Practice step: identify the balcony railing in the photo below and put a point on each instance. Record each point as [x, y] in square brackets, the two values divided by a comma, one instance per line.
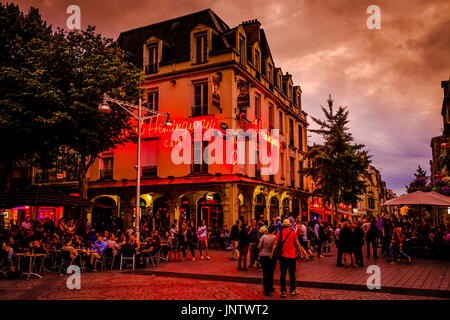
[106, 174]
[149, 172]
[151, 68]
[200, 110]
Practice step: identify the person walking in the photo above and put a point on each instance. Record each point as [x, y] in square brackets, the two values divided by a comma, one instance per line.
[244, 242]
[371, 239]
[234, 236]
[265, 247]
[397, 244]
[253, 236]
[202, 235]
[319, 231]
[337, 234]
[289, 244]
[357, 243]
[345, 243]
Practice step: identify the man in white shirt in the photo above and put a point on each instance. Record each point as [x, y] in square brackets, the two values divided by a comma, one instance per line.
[202, 235]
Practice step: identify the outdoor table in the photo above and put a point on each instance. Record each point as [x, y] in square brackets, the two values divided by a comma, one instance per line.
[30, 256]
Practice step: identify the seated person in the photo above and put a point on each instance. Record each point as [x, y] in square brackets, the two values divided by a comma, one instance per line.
[37, 247]
[111, 243]
[154, 243]
[68, 247]
[98, 248]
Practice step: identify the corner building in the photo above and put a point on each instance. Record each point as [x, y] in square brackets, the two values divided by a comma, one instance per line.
[199, 69]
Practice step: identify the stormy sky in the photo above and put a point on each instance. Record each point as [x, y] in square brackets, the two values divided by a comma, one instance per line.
[390, 79]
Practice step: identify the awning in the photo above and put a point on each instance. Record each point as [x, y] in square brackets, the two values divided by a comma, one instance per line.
[420, 198]
[42, 196]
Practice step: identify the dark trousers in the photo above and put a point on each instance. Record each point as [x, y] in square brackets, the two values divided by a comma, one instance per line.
[358, 256]
[319, 247]
[191, 247]
[268, 268]
[285, 265]
[243, 256]
[372, 242]
[339, 254]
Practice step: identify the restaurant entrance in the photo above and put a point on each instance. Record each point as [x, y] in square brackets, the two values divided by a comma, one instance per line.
[211, 211]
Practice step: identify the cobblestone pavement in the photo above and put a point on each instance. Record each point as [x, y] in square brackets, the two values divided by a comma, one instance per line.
[219, 278]
[130, 286]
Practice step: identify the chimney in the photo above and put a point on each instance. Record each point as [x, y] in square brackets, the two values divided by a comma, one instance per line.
[252, 28]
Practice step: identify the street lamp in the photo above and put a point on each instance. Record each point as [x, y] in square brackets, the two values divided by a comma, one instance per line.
[105, 108]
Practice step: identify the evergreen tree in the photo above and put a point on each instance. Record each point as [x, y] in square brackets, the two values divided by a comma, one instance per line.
[420, 183]
[338, 165]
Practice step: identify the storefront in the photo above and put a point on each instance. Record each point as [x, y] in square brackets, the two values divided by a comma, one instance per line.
[210, 209]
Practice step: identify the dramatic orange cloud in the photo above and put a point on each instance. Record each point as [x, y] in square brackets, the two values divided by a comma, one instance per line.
[388, 78]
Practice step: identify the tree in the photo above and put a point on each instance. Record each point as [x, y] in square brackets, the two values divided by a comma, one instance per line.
[338, 165]
[94, 65]
[29, 106]
[420, 183]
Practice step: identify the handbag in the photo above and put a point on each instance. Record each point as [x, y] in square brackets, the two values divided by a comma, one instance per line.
[278, 249]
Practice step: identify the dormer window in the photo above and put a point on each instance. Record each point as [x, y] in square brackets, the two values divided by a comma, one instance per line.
[242, 50]
[269, 72]
[290, 92]
[257, 61]
[201, 47]
[153, 61]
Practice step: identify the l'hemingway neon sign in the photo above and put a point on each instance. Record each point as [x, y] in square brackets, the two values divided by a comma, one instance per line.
[230, 146]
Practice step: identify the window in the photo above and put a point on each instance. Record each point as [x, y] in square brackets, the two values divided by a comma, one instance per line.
[106, 171]
[282, 165]
[149, 162]
[153, 100]
[371, 203]
[290, 92]
[200, 99]
[269, 72]
[152, 66]
[270, 116]
[281, 121]
[257, 166]
[241, 50]
[300, 174]
[258, 106]
[300, 138]
[201, 47]
[257, 64]
[199, 165]
[292, 168]
[291, 132]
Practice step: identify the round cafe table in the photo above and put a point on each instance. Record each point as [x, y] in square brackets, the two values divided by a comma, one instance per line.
[31, 257]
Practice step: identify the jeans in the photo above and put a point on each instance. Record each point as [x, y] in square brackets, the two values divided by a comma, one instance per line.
[285, 265]
[395, 250]
[243, 256]
[268, 268]
[234, 251]
[319, 247]
[374, 246]
[339, 253]
[253, 252]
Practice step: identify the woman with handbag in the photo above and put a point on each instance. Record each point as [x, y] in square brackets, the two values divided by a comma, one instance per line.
[265, 247]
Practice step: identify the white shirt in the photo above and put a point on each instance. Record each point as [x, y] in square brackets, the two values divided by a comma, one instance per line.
[202, 231]
[305, 233]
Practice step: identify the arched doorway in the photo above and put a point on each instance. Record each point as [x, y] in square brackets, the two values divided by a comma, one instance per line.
[185, 209]
[274, 208]
[210, 209]
[260, 207]
[161, 212]
[102, 217]
[286, 208]
[295, 208]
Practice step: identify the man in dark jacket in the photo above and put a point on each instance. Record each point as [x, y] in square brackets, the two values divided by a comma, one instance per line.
[234, 236]
[358, 242]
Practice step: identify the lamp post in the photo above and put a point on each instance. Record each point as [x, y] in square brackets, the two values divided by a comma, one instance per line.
[105, 108]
